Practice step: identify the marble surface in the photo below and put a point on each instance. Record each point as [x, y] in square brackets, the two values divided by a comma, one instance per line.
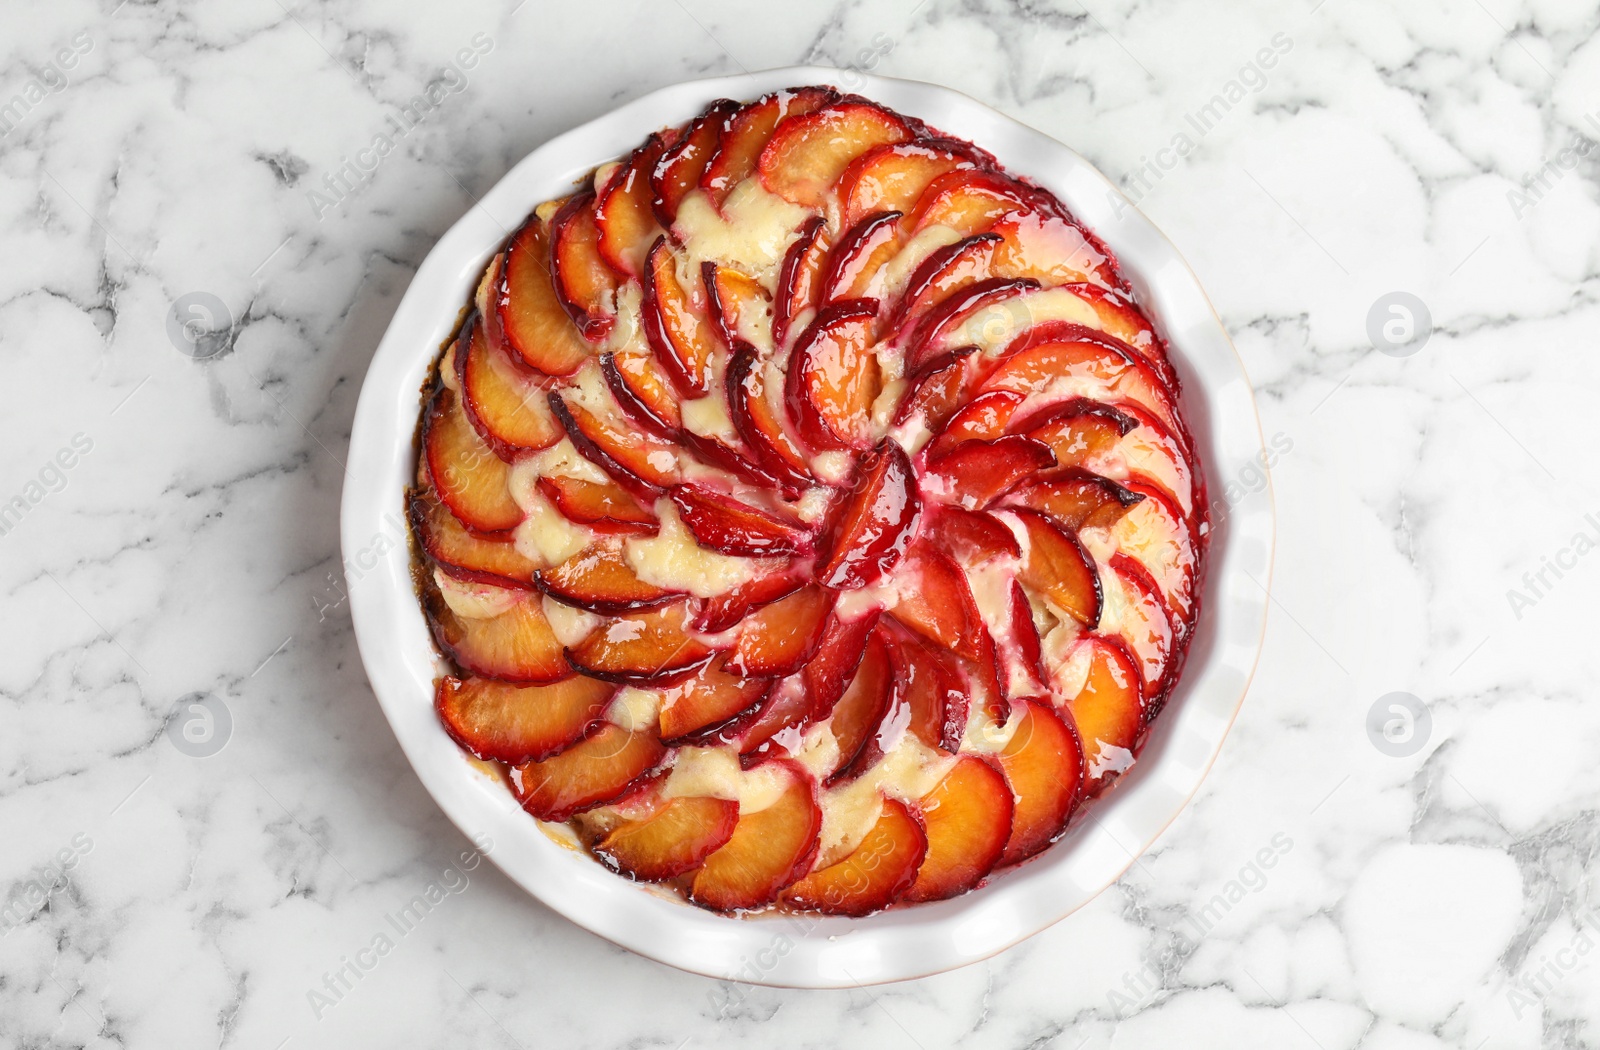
[206, 819]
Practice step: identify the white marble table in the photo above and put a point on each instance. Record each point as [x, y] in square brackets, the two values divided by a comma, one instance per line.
[170, 511]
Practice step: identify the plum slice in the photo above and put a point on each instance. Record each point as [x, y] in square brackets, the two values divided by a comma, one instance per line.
[757, 420]
[463, 554]
[648, 647]
[599, 579]
[874, 874]
[746, 134]
[725, 524]
[597, 769]
[934, 599]
[601, 506]
[505, 403]
[833, 377]
[1055, 565]
[585, 282]
[673, 839]
[1108, 710]
[968, 820]
[971, 201]
[516, 645]
[893, 176]
[768, 850]
[505, 722]
[874, 522]
[624, 213]
[528, 314]
[680, 168]
[640, 463]
[471, 480]
[706, 700]
[860, 711]
[677, 331]
[807, 154]
[778, 638]
[1056, 351]
[976, 473]
[1043, 763]
[799, 279]
[861, 253]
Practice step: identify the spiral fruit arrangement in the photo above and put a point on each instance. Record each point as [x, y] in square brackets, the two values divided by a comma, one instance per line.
[806, 511]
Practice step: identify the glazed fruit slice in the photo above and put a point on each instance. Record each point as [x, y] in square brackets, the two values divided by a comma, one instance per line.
[934, 600]
[976, 473]
[505, 403]
[471, 480]
[929, 331]
[832, 668]
[933, 391]
[643, 647]
[944, 272]
[875, 521]
[672, 840]
[1043, 763]
[1074, 498]
[752, 733]
[515, 646]
[984, 418]
[892, 177]
[1057, 352]
[1024, 656]
[727, 454]
[602, 506]
[681, 167]
[1077, 430]
[1117, 316]
[807, 154]
[737, 303]
[780, 637]
[757, 420]
[768, 850]
[707, 699]
[968, 822]
[528, 314]
[861, 709]
[599, 579]
[725, 610]
[1055, 565]
[861, 254]
[970, 537]
[644, 392]
[1148, 450]
[503, 722]
[1155, 534]
[624, 214]
[677, 331]
[747, 133]
[725, 524]
[874, 874]
[799, 279]
[585, 284]
[1109, 709]
[595, 770]
[1146, 625]
[477, 559]
[642, 464]
[1051, 250]
[971, 201]
[929, 691]
[833, 378]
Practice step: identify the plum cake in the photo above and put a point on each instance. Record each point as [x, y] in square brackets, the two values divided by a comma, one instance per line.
[805, 512]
